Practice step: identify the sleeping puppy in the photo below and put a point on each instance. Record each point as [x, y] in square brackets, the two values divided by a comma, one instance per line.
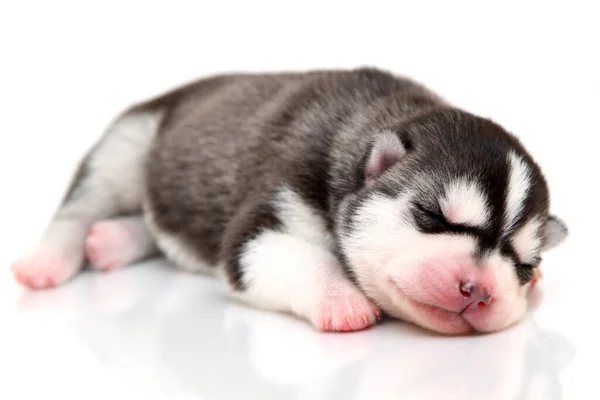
[332, 195]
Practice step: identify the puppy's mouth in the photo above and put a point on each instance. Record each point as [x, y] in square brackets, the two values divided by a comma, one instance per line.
[434, 317]
[441, 319]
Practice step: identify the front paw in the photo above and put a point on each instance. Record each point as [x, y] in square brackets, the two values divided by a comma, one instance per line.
[344, 310]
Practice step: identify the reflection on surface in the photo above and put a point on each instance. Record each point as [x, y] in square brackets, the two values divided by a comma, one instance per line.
[172, 335]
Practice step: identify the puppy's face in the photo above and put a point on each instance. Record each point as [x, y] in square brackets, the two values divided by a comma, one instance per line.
[449, 229]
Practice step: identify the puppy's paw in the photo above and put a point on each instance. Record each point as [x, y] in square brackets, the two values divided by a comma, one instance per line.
[344, 310]
[109, 245]
[44, 268]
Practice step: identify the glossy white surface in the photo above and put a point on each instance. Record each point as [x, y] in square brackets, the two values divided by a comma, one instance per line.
[149, 332]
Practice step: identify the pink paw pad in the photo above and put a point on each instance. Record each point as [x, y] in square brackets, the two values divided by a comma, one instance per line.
[108, 245]
[346, 313]
[43, 269]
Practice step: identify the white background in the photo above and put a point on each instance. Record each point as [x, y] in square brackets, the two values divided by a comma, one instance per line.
[66, 69]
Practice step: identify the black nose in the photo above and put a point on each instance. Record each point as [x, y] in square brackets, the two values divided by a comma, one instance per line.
[474, 296]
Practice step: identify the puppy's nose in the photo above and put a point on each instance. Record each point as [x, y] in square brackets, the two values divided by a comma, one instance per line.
[474, 295]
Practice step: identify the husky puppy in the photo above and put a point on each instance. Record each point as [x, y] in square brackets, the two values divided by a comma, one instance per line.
[332, 195]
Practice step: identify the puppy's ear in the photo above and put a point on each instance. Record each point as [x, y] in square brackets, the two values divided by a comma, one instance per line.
[555, 233]
[386, 150]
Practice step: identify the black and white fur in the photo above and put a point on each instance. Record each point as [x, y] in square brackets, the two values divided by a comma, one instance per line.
[327, 194]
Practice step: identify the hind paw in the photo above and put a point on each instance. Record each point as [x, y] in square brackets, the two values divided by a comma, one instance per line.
[44, 269]
[108, 245]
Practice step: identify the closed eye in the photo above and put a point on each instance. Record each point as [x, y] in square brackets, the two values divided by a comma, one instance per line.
[525, 265]
[431, 221]
[431, 214]
[434, 220]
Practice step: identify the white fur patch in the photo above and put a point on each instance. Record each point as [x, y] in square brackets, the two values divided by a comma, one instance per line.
[378, 227]
[293, 270]
[116, 168]
[527, 241]
[381, 225]
[284, 273]
[519, 185]
[465, 203]
[300, 220]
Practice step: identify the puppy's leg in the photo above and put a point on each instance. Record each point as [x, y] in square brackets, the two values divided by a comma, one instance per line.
[108, 183]
[277, 269]
[114, 243]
